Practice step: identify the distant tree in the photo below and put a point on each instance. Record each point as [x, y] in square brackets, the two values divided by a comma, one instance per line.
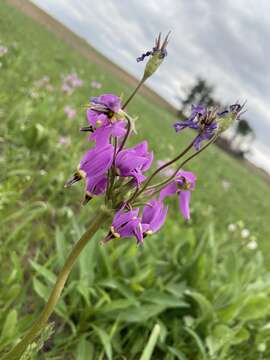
[244, 134]
[200, 93]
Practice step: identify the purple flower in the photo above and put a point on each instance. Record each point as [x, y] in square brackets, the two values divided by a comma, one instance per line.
[64, 140]
[70, 83]
[95, 162]
[183, 183]
[105, 118]
[201, 119]
[134, 161]
[94, 186]
[153, 216]
[126, 224]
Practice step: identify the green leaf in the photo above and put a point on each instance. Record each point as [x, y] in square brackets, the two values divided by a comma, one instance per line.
[140, 314]
[161, 298]
[255, 307]
[105, 339]
[198, 341]
[45, 273]
[9, 328]
[148, 350]
[85, 350]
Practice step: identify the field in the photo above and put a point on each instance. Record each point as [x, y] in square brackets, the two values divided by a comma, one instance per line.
[201, 288]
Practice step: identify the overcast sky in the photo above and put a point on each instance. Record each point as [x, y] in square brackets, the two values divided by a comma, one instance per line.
[227, 42]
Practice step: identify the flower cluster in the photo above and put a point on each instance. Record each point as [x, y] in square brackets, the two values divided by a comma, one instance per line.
[107, 121]
[119, 173]
[70, 83]
[44, 83]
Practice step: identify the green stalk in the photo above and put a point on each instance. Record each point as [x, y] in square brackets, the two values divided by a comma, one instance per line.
[134, 92]
[38, 325]
[160, 185]
[138, 192]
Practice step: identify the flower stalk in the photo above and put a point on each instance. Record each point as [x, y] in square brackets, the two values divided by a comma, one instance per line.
[30, 336]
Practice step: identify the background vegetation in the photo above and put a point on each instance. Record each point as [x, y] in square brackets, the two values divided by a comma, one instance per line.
[201, 289]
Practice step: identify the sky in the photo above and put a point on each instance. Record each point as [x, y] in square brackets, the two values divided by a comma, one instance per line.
[226, 42]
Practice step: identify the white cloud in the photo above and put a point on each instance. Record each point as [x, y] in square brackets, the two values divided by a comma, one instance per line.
[226, 42]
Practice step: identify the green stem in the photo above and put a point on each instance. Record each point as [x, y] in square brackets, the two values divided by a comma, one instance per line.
[167, 181]
[134, 92]
[139, 191]
[38, 325]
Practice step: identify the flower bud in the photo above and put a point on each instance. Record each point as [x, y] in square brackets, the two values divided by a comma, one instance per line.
[158, 54]
[226, 118]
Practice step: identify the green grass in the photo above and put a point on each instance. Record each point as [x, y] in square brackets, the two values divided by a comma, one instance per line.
[205, 289]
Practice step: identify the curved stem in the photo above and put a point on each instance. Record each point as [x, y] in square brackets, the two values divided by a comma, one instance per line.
[38, 325]
[134, 92]
[126, 135]
[167, 181]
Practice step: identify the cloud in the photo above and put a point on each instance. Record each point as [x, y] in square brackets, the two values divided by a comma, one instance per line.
[226, 42]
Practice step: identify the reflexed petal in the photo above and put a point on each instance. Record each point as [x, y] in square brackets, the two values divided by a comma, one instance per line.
[184, 198]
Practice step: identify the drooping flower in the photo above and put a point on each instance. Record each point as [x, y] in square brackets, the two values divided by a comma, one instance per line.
[133, 162]
[201, 119]
[94, 163]
[94, 186]
[181, 185]
[126, 224]
[153, 216]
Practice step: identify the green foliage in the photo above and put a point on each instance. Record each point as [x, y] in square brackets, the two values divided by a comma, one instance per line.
[195, 291]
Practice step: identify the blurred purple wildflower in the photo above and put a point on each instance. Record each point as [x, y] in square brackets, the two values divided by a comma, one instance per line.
[64, 140]
[70, 111]
[70, 83]
[95, 84]
[3, 50]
